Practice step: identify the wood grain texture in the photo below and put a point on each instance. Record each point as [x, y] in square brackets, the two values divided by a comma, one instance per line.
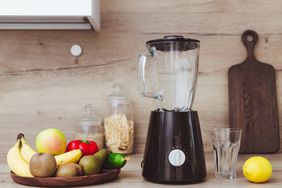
[253, 101]
[192, 6]
[42, 86]
[180, 16]
[131, 176]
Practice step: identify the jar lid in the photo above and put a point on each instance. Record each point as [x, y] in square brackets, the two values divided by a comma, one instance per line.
[117, 97]
[89, 117]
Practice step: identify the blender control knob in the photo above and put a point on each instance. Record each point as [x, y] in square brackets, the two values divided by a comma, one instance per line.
[176, 157]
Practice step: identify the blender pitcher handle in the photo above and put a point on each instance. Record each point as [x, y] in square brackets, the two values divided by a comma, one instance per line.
[141, 72]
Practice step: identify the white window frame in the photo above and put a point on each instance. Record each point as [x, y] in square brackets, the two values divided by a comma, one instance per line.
[46, 22]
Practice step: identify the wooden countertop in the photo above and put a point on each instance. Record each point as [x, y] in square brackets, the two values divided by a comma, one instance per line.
[131, 176]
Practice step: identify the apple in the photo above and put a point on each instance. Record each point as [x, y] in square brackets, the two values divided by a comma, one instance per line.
[52, 141]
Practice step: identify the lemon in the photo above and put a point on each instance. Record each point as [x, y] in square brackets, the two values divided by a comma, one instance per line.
[257, 169]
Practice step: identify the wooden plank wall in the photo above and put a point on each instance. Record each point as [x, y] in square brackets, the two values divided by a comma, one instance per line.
[42, 86]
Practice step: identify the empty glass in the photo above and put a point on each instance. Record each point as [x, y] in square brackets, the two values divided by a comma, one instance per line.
[226, 145]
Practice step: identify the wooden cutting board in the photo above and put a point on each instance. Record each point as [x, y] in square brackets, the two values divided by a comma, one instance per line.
[252, 101]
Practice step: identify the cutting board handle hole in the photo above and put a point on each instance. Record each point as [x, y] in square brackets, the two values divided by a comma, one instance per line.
[250, 38]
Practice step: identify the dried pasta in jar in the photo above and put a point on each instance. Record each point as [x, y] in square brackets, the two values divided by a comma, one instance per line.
[119, 133]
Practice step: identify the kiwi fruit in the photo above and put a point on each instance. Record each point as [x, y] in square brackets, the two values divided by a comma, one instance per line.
[42, 165]
[69, 170]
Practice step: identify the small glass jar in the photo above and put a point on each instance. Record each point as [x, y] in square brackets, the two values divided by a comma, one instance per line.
[118, 125]
[90, 127]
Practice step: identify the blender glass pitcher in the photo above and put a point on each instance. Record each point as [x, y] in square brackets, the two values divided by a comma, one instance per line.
[171, 75]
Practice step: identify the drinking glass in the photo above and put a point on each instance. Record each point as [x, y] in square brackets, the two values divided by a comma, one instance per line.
[226, 145]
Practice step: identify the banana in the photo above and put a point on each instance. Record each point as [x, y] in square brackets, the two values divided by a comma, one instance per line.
[16, 162]
[26, 151]
[68, 157]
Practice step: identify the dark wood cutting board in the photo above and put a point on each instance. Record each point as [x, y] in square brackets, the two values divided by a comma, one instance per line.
[252, 101]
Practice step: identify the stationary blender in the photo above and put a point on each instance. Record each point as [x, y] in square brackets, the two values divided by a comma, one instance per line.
[167, 73]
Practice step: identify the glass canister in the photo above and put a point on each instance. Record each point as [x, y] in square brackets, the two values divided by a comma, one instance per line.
[90, 127]
[118, 125]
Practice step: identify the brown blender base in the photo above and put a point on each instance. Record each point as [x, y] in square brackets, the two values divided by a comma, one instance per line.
[174, 150]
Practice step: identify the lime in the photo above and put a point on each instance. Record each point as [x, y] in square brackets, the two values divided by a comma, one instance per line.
[115, 160]
[257, 169]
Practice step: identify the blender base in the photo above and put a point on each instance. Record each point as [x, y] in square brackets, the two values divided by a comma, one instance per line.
[174, 151]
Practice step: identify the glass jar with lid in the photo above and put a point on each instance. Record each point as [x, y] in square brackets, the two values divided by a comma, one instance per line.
[90, 127]
[118, 125]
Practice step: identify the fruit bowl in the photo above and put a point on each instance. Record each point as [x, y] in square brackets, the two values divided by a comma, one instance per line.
[103, 177]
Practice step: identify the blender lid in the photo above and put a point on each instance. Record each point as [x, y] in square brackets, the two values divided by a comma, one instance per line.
[174, 42]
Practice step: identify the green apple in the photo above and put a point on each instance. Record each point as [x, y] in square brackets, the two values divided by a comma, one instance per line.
[52, 141]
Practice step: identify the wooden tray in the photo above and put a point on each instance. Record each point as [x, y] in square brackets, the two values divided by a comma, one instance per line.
[105, 176]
